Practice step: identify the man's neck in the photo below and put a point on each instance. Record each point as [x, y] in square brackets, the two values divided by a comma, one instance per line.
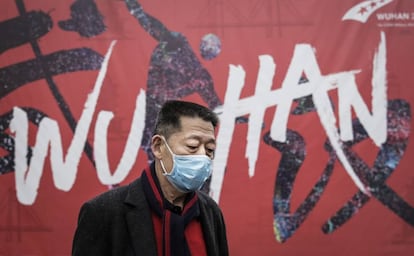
[170, 193]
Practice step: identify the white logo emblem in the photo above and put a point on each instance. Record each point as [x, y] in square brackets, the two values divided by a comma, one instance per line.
[363, 10]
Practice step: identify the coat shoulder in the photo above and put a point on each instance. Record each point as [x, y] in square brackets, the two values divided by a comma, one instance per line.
[113, 198]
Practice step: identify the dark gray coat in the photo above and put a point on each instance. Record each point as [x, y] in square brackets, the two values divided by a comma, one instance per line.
[119, 223]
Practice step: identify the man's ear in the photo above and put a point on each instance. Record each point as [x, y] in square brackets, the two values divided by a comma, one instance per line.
[156, 143]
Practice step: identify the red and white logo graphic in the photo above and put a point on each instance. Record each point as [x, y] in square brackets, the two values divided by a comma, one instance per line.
[362, 11]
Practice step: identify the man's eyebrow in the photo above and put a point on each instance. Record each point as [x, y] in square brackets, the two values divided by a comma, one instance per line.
[200, 138]
[213, 141]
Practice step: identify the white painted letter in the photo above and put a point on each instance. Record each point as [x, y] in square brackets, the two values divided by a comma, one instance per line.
[131, 149]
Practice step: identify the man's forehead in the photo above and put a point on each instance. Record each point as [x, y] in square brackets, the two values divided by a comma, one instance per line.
[196, 131]
[196, 123]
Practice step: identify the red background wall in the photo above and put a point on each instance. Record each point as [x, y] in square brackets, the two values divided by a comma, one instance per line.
[247, 29]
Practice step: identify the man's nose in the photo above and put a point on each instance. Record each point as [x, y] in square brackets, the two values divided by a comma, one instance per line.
[201, 151]
[204, 151]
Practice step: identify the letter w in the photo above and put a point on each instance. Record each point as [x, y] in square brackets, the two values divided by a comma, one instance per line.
[63, 170]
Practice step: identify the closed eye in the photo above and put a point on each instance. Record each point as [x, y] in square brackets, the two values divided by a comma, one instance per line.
[210, 152]
[192, 148]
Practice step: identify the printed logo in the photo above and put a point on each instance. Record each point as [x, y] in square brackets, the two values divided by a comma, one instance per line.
[362, 11]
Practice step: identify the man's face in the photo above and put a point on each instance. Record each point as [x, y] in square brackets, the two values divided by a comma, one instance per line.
[195, 138]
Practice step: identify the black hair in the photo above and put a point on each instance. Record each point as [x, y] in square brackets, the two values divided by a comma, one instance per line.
[168, 120]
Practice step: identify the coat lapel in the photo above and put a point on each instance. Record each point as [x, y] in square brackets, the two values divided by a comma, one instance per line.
[207, 227]
[139, 221]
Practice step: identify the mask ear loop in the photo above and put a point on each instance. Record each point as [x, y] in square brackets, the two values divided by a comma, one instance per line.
[165, 173]
[166, 144]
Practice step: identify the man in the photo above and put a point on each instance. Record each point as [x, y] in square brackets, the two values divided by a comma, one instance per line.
[162, 212]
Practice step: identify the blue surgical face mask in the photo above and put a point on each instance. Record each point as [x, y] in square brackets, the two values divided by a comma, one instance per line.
[189, 172]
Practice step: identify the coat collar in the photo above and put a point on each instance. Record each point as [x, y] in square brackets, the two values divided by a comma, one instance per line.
[139, 216]
[139, 221]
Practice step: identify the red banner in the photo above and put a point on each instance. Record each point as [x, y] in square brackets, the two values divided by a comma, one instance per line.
[314, 99]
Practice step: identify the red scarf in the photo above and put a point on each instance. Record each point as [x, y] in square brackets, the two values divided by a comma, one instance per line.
[174, 221]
